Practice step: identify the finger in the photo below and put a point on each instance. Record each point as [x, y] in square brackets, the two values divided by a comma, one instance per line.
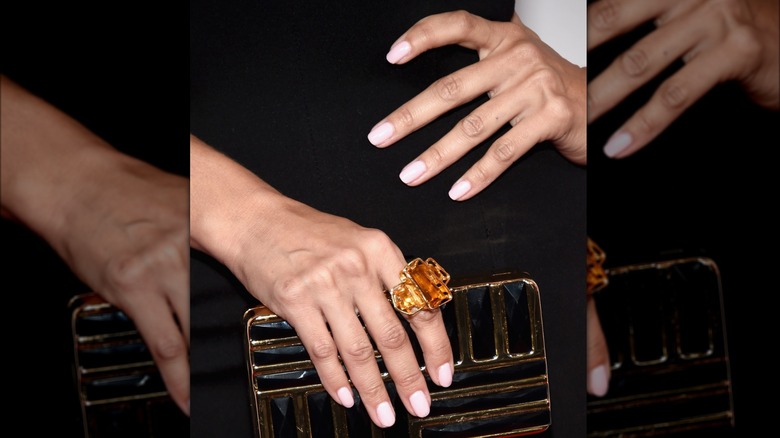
[177, 286]
[392, 341]
[458, 27]
[428, 326]
[610, 18]
[598, 355]
[468, 133]
[323, 351]
[357, 352]
[501, 154]
[443, 95]
[638, 65]
[157, 327]
[673, 97]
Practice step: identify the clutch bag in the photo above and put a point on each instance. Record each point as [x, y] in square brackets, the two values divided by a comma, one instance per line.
[499, 388]
[663, 322]
[120, 389]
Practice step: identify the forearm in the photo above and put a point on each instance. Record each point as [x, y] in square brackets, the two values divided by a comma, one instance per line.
[227, 201]
[47, 159]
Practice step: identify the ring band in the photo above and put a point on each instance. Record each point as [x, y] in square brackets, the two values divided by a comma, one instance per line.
[423, 286]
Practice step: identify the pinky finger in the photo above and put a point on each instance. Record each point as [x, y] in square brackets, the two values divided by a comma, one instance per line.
[668, 102]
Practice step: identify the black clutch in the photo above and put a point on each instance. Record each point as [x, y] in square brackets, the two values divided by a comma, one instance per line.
[500, 386]
[121, 392]
[663, 322]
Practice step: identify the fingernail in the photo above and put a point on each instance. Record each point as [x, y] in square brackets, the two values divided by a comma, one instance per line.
[412, 171]
[598, 381]
[617, 144]
[420, 404]
[398, 51]
[458, 190]
[381, 133]
[386, 415]
[345, 396]
[445, 375]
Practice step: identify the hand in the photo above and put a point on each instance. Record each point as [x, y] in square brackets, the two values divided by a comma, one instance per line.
[317, 271]
[531, 87]
[719, 41]
[119, 223]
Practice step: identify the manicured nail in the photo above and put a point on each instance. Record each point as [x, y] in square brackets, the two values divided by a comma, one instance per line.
[345, 396]
[412, 171]
[398, 51]
[386, 415]
[598, 381]
[445, 375]
[420, 404]
[458, 190]
[617, 144]
[381, 133]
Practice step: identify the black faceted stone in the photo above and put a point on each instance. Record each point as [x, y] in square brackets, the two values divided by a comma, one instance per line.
[320, 415]
[283, 417]
[518, 318]
[271, 330]
[280, 355]
[482, 339]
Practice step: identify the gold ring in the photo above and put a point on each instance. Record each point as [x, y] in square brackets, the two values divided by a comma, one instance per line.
[423, 286]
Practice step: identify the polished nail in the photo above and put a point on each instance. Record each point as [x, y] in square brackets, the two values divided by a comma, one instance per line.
[385, 414]
[445, 375]
[420, 404]
[598, 381]
[345, 396]
[398, 51]
[381, 133]
[617, 144]
[412, 171]
[458, 190]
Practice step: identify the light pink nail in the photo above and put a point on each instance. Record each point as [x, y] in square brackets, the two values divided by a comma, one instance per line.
[445, 375]
[381, 133]
[345, 396]
[458, 190]
[617, 144]
[412, 171]
[386, 415]
[420, 404]
[598, 381]
[398, 51]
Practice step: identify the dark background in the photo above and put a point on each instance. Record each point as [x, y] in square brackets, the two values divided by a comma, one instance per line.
[703, 187]
[120, 68]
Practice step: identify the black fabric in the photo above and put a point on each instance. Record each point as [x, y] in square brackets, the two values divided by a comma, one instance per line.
[702, 187]
[120, 69]
[290, 90]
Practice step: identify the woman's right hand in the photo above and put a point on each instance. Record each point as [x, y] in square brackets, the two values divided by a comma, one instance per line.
[318, 272]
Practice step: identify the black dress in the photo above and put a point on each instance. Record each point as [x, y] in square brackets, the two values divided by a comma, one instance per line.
[290, 90]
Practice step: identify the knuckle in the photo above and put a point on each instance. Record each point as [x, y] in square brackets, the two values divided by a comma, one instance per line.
[503, 152]
[436, 155]
[352, 262]
[604, 14]
[449, 87]
[744, 42]
[673, 95]
[290, 291]
[360, 351]
[167, 348]
[126, 271]
[472, 126]
[463, 20]
[644, 122]
[634, 62]
[560, 110]
[374, 391]
[392, 336]
[405, 117]
[479, 174]
[408, 379]
[323, 349]
[424, 318]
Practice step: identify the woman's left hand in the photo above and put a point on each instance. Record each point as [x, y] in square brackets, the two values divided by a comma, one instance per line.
[542, 96]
